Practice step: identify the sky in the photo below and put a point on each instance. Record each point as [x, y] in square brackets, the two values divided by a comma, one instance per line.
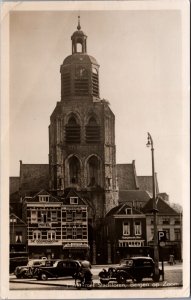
[140, 55]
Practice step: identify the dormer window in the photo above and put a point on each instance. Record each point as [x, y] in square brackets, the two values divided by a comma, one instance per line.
[43, 198]
[73, 200]
[128, 211]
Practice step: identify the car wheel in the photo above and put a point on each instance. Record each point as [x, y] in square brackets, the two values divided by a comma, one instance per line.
[156, 277]
[43, 276]
[121, 279]
[104, 281]
[138, 279]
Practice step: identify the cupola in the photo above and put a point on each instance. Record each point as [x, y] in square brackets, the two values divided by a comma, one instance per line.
[79, 71]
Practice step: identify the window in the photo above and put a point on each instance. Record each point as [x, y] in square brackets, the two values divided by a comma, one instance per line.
[43, 216]
[54, 216]
[51, 235]
[18, 237]
[126, 228]
[177, 234]
[37, 235]
[34, 216]
[74, 170]
[73, 200]
[95, 82]
[137, 227]
[69, 216]
[165, 221]
[92, 131]
[167, 233]
[72, 131]
[177, 221]
[43, 198]
[93, 171]
[128, 211]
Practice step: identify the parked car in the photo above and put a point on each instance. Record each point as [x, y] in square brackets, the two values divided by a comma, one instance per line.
[61, 268]
[17, 261]
[134, 268]
[27, 270]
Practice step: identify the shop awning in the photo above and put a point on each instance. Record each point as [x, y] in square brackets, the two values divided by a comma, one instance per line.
[75, 246]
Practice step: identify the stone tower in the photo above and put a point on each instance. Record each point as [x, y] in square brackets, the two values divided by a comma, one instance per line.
[82, 152]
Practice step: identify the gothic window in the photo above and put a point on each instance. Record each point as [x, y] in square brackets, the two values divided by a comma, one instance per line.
[92, 131]
[93, 171]
[72, 131]
[74, 170]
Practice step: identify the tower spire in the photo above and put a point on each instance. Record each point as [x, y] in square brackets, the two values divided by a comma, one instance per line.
[79, 26]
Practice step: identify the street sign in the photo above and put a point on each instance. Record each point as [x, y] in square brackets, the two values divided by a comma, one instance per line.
[161, 237]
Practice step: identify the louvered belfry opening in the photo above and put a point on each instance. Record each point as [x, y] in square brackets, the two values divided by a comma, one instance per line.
[72, 131]
[81, 87]
[66, 84]
[92, 131]
[95, 83]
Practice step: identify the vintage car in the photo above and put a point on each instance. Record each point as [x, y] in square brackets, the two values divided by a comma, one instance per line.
[60, 268]
[27, 270]
[134, 268]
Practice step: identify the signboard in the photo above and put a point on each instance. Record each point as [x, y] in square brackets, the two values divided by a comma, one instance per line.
[162, 238]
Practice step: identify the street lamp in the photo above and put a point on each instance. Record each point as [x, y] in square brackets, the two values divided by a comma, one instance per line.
[154, 210]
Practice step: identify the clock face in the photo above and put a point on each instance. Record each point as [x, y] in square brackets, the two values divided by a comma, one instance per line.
[81, 72]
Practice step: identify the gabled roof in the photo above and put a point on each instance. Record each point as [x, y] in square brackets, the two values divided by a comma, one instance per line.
[162, 206]
[33, 177]
[126, 175]
[35, 198]
[145, 183]
[121, 209]
[72, 193]
[16, 220]
[135, 195]
[14, 184]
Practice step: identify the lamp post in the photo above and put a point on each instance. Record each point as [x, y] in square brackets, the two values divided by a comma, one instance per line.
[154, 210]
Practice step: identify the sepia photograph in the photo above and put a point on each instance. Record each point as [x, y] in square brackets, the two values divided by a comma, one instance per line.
[95, 150]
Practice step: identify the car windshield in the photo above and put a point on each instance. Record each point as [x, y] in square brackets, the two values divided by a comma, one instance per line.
[127, 262]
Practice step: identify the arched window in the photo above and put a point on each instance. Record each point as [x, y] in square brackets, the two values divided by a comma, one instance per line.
[37, 235]
[74, 170]
[93, 171]
[92, 131]
[79, 46]
[72, 131]
[51, 235]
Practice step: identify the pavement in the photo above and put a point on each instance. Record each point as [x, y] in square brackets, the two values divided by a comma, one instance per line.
[172, 278]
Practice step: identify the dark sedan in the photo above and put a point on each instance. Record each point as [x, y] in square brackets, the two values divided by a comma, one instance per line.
[61, 268]
[135, 268]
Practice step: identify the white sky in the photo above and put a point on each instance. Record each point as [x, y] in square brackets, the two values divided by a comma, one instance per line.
[141, 64]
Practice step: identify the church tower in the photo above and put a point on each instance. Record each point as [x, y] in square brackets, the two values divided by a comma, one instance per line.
[82, 152]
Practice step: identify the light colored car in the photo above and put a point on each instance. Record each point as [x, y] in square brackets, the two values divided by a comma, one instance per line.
[27, 271]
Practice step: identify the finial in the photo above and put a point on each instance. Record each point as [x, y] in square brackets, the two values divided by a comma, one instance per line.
[78, 27]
